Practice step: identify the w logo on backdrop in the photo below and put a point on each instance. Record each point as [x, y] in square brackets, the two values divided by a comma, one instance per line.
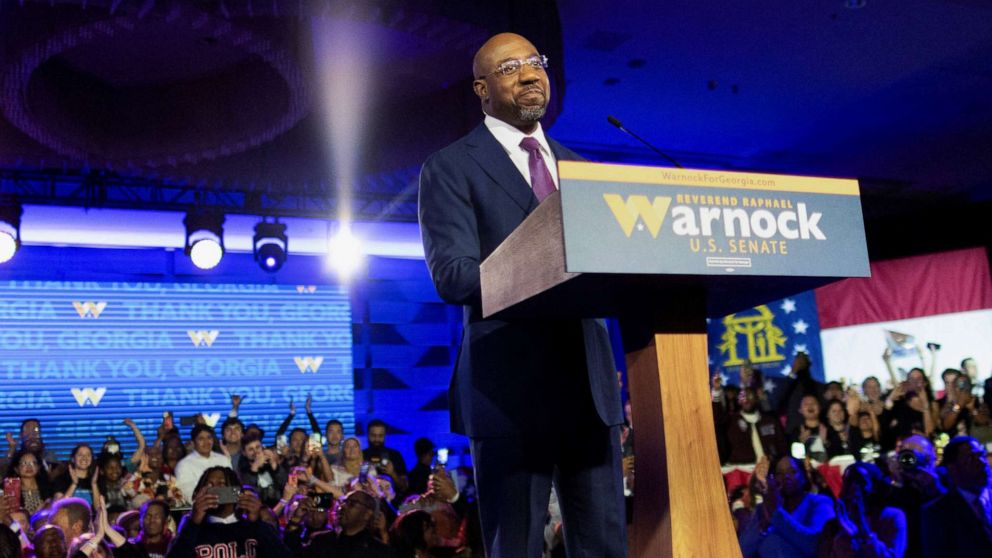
[308, 364]
[89, 309]
[93, 396]
[306, 289]
[203, 338]
[639, 208]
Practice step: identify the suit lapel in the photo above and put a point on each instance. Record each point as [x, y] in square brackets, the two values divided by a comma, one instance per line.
[490, 155]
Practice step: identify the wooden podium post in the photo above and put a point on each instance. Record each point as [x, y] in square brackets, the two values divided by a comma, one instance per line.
[662, 249]
[680, 503]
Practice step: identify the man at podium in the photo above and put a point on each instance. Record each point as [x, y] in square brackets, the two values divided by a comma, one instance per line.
[538, 397]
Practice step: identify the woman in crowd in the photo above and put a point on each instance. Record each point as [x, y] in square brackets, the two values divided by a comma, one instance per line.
[811, 431]
[864, 526]
[80, 477]
[173, 451]
[35, 488]
[871, 441]
[111, 481]
[788, 522]
[842, 439]
[909, 409]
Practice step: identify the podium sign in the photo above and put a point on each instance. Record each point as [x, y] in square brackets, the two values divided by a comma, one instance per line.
[649, 220]
[661, 249]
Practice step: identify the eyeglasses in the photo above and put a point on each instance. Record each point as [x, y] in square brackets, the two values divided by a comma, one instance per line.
[510, 67]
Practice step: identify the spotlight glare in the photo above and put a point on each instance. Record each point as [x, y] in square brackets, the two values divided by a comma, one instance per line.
[344, 252]
[10, 227]
[206, 253]
[8, 247]
[204, 238]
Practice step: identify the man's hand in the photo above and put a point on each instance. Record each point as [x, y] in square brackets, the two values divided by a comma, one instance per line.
[441, 485]
[202, 503]
[236, 400]
[292, 406]
[250, 504]
[309, 403]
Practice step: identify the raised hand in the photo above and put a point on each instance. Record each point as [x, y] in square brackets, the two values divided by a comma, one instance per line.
[309, 403]
[202, 503]
[236, 400]
[250, 504]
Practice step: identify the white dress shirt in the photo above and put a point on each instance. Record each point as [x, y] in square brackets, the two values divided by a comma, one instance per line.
[510, 138]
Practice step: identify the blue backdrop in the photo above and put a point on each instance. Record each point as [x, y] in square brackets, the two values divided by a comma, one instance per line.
[81, 356]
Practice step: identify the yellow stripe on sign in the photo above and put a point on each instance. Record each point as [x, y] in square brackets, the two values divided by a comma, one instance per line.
[599, 172]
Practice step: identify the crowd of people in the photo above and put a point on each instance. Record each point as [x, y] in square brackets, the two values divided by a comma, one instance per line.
[912, 478]
[233, 494]
[911, 475]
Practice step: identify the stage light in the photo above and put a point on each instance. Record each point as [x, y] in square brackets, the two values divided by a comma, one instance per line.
[344, 251]
[204, 238]
[10, 227]
[270, 245]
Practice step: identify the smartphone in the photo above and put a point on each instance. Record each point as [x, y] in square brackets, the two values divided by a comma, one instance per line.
[282, 443]
[226, 494]
[188, 421]
[168, 421]
[316, 441]
[442, 458]
[12, 490]
[363, 474]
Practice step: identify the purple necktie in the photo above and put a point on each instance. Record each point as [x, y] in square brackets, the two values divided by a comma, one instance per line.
[540, 176]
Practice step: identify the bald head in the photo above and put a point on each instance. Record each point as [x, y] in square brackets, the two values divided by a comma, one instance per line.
[487, 56]
[520, 97]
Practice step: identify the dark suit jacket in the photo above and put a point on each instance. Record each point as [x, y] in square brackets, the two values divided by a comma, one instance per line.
[514, 376]
[951, 529]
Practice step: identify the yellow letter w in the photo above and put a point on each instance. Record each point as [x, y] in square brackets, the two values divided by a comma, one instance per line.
[627, 212]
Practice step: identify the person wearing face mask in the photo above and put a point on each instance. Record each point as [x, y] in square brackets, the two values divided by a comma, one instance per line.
[788, 522]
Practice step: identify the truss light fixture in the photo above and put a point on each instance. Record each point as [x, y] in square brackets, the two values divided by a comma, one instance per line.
[204, 238]
[10, 227]
[270, 245]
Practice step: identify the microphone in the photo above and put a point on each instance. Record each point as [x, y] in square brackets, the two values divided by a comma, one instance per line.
[613, 120]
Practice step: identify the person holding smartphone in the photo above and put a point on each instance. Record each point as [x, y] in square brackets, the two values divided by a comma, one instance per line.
[225, 516]
[26, 483]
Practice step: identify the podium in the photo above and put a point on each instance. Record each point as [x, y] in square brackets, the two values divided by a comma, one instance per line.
[661, 250]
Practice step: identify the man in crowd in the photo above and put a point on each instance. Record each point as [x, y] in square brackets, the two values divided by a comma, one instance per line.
[154, 539]
[190, 468]
[539, 399]
[959, 523]
[916, 484]
[423, 448]
[211, 523]
[72, 516]
[748, 434]
[232, 434]
[262, 470]
[354, 540]
[386, 459]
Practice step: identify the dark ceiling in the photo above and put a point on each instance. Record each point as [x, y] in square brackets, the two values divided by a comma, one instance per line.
[227, 101]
